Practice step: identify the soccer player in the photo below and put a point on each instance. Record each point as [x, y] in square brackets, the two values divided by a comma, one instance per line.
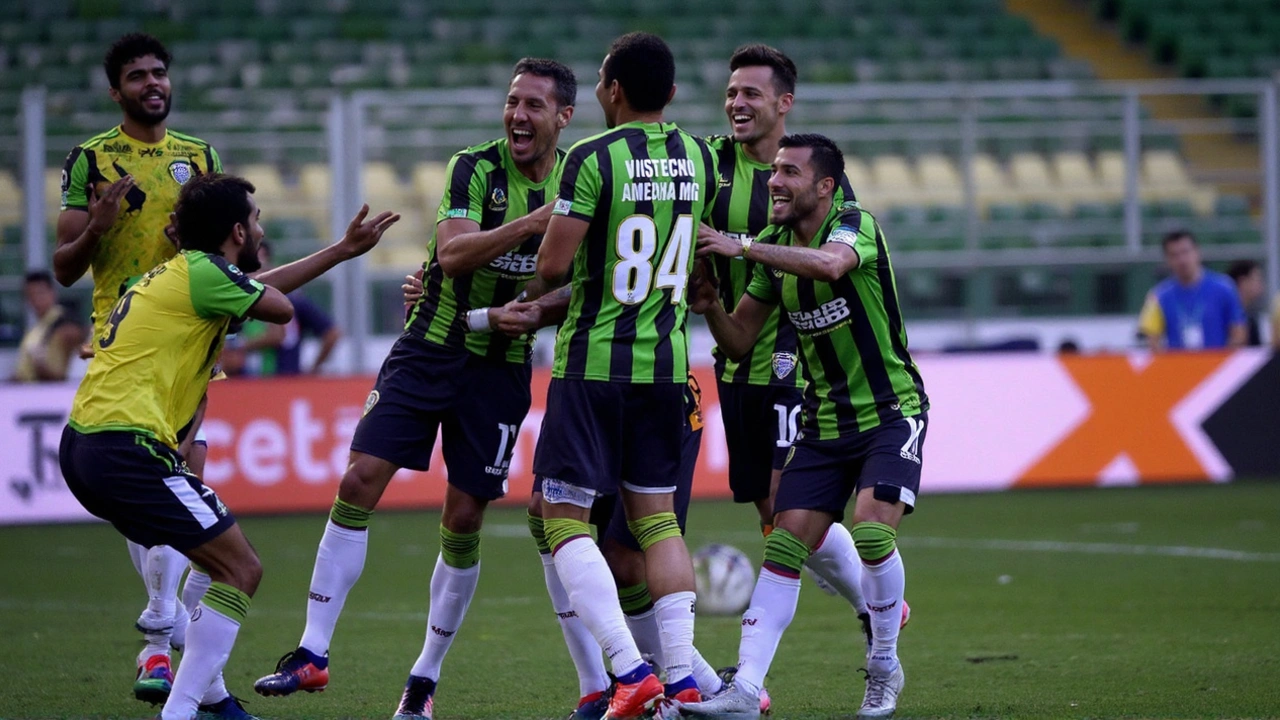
[142, 165]
[624, 222]
[489, 228]
[760, 393]
[827, 266]
[152, 365]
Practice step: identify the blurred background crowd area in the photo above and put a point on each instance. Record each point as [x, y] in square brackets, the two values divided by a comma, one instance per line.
[1017, 178]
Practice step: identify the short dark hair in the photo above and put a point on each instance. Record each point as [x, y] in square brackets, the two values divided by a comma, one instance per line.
[1242, 268]
[1174, 236]
[760, 55]
[645, 68]
[130, 48]
[209, 206]
[38, 276]
[566, 84]
[825, 156]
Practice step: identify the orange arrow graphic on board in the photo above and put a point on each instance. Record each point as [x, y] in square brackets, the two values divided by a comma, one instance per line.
[1131, 414]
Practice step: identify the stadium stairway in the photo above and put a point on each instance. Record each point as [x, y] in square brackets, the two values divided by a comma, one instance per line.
[1082, 36]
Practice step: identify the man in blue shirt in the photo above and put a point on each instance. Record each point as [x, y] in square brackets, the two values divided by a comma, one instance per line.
[1195, 308]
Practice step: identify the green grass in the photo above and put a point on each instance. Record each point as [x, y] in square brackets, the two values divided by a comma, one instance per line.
[1071, 634]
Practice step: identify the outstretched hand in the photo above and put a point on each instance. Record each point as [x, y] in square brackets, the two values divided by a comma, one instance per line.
[713, 242]
[362, 235]
[104, 209]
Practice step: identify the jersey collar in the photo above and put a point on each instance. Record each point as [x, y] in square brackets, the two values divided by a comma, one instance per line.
[163, 139]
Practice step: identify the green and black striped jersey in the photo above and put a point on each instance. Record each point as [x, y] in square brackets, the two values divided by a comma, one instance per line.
[742, 210]
[485, 186]
[853, 346]
[644, 188]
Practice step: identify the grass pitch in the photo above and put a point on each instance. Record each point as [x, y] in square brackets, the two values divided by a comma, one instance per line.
[1136, 603]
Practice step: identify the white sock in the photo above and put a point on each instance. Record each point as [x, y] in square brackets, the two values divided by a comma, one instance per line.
[709, 682]
[883, 585]
[217, 691]
[181, 620]
[773, 605]
[583, 649]
[193, 589]
[209, 642]
[592, 594]
[451, 592]
[644, 630]
[138, 556]
[836, 561]
[339, 562]
[675, 626]
[162, 572]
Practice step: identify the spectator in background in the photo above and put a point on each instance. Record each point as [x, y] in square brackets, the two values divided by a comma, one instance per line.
[279, 347]
[47, 347]
[1194, 309]
[1252, 289]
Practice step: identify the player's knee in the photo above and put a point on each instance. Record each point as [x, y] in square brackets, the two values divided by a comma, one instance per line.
[535, 505]
[459, 549]
[653, 529]
[874, 541]
[561, 530]
[784, 551]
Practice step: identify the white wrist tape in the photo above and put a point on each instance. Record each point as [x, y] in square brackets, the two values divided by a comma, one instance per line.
[478, 320]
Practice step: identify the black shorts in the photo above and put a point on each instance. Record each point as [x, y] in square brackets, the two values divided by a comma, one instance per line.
[760, 424]
[599, 436]
[824, 474]
[142, 487]
[480, 403]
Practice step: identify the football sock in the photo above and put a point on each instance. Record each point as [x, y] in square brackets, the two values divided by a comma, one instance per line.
[195, 586]
[209, 641]
[773, 606]
[163, 568]
[452, 587]
[884, 581]
[583, 649]
[675, 627]
[181, 621]
[836, 561]
[138, 556]
[644, 629]
[708, 679]
[339, 562]
[592, 594]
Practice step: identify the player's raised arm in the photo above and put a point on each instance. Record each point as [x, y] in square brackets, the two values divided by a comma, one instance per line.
[84, 219]
[359, 239]
[462, 247]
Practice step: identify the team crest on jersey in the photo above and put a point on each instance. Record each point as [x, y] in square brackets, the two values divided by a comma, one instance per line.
[370, 401]
[783, 364]
[181, 171]
[498, 200]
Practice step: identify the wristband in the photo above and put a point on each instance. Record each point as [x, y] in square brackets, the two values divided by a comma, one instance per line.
[747, 242]
[478, 320]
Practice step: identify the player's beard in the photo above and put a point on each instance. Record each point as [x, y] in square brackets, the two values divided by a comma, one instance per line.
[247, 259]
[801, 205]
[138, 112]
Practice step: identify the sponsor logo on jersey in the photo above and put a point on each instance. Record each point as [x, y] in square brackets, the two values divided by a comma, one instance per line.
[498, 200]
[516, 263]
[370, 401]
[562, 207]
[117, 148]
[454, 213]
[151, 152]
[181, 171]
[832, 313]
[783, 364]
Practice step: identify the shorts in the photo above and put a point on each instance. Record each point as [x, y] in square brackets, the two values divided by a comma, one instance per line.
[599, 436]
[142, 487]
[760, 424]
[824, 474]
[479, 402]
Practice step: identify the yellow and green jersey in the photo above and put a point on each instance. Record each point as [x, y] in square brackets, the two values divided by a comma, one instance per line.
[644, 188]
[853, 346]
[136, 242]
[485, 186]
[160, 342]
[741, 210]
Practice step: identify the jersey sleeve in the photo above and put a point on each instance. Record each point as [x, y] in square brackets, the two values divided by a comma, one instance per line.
[75, 180]
[1151, 320]
[464, 192]
[761, 286]
[581, 184]
[857, 231]
[220, 289]
[709, 159]
[844, 193]
[215, 160]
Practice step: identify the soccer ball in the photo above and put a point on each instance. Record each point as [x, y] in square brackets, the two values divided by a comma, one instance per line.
[725, 579]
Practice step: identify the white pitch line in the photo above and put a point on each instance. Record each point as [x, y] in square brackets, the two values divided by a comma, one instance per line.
[1083, 548]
